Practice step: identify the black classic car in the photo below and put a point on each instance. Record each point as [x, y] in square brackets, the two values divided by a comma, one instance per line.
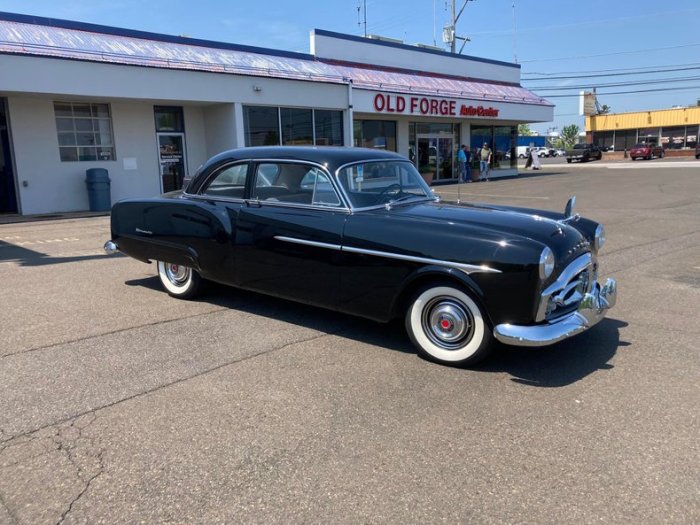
[359, 231]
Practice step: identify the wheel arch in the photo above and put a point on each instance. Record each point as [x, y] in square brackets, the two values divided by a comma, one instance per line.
[435, 274]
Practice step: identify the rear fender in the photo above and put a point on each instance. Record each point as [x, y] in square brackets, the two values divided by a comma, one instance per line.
[148, 250]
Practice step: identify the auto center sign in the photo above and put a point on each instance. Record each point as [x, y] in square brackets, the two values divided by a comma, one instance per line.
[416, 105]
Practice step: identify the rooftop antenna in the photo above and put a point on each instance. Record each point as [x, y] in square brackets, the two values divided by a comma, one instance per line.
[362, 7]
[515, 31]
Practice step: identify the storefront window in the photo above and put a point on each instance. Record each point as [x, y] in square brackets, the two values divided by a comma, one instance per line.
[691, 137]
[649, 135]
[169, 118]
[625, 139]
[504, 140]
[604, 139]
[84, 131]
[376, 134]
[261, 126]
[329, 127]
[297, 127]
[673, 138]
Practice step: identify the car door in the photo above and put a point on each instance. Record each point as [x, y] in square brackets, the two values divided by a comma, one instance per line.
[222, 195]
[289, 233]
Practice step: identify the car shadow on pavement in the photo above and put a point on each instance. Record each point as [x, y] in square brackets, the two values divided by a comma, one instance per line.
[554, 366]
[563, 363]
[25, 257]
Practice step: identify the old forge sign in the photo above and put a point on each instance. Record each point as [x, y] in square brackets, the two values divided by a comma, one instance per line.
[429, 106]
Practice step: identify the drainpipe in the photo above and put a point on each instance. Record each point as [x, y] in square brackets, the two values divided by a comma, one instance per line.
[349, 124]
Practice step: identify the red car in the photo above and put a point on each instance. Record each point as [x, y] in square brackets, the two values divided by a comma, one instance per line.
[646, 151]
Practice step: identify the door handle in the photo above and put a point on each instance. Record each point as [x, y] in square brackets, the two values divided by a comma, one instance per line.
[253, 203]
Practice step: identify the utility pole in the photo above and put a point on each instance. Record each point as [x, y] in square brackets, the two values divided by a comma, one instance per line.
[449, 32]
[362, 6]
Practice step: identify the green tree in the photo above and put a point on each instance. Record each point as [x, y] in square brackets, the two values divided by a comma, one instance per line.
[525, 131]
[604, 109]
[569, 136]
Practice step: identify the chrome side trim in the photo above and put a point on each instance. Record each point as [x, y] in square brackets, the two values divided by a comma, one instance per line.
[466, 268]
[592, 309]
[316, 244]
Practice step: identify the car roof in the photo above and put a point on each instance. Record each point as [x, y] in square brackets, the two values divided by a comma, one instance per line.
[331, 156]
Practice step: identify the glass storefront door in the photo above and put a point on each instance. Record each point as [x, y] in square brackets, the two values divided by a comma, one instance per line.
[436, 155]
[171, 154]
[8, 196]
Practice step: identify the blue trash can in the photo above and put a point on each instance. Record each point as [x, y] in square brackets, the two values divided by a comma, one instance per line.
[98, 187]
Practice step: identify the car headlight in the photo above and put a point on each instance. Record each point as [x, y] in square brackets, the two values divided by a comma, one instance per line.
[546, 263]
[599, 238]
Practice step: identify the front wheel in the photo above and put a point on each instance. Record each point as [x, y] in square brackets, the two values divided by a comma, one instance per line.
[568, 161]
[447, 326]
[178, 280]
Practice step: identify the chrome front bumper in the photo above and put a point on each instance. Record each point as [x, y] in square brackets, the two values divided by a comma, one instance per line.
[592, 309]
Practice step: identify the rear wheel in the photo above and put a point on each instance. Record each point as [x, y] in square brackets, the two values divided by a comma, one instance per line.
[178, 280]
[447, 326]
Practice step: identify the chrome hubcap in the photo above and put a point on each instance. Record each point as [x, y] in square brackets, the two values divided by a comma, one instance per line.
[177, 274]
[448, 323]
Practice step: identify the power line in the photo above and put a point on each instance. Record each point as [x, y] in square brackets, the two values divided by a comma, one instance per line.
[650, 72]
[616, 84]
[617, 69]
[680, 88]
[611, 54]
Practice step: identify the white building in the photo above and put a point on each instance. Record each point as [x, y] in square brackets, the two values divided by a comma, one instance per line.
[151, 108]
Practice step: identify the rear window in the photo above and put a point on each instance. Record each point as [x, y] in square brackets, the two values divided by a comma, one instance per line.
[581, 146]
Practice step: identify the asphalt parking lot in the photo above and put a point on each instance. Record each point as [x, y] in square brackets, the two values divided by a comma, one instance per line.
[119, 404]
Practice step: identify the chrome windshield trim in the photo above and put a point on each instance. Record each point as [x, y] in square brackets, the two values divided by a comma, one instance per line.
[366, 161]
[463, 267]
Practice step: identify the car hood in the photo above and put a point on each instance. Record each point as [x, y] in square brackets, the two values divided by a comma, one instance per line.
[501, 223]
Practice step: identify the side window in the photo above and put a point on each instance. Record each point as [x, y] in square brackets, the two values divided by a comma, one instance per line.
[323, 192]
[294, 183]
[229, 182]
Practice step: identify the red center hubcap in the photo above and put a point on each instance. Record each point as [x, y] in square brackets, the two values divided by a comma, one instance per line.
[445, 324]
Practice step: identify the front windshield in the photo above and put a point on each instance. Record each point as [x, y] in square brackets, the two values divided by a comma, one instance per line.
[375, 183]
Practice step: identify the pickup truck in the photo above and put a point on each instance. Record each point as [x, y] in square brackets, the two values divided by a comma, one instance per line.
[584, 153]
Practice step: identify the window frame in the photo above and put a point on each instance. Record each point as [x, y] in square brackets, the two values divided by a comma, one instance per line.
[95, 117]
[215, 173]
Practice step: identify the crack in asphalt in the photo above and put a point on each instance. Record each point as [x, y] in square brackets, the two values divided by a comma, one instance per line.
[7, 508]
[112, 332]
[7, 442]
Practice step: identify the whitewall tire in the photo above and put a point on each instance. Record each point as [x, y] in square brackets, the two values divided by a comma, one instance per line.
[447, 326]
[178, 280]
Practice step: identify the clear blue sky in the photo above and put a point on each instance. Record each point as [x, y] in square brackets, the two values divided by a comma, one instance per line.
[551, 36]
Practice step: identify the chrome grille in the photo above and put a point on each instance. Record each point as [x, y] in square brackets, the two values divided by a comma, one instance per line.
[565, 294]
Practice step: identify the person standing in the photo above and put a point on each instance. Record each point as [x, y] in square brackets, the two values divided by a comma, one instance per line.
[468, 164]
[484, 162]
[462, 162]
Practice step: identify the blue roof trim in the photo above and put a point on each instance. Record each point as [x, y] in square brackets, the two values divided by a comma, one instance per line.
[354, 38]
[146, 35]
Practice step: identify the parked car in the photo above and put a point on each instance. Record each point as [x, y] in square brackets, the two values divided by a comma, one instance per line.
[522, 151]
[359, 231]
[643, 150]
[559, 153]
[697, 151]
[541, 151]
[583, 153]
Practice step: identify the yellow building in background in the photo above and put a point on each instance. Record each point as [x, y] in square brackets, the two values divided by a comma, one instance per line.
[676, 129]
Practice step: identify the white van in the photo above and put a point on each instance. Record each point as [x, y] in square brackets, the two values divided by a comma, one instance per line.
[522, 151]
